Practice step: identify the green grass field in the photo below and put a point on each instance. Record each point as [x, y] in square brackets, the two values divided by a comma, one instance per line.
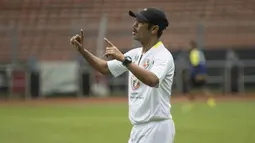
[229, 122]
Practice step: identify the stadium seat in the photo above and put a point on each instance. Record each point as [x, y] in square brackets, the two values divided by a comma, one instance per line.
[45, 26]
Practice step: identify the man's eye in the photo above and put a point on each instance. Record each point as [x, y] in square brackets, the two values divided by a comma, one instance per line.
[139, 21]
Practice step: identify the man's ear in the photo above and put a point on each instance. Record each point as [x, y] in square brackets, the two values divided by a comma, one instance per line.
[154, 29]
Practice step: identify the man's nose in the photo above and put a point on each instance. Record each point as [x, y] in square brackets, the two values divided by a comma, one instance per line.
[135, 24]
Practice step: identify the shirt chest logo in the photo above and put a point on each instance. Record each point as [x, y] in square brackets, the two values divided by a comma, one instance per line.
[147, 63]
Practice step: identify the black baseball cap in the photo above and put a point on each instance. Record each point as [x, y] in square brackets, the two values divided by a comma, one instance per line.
[151, 15]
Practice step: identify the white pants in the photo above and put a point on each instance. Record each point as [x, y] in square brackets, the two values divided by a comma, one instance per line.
[153, 132]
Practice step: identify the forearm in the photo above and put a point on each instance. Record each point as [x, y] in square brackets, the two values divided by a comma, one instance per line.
[143, 75]
[97, 63]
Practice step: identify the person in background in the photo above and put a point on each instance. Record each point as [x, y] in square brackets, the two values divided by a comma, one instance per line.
[197, 74]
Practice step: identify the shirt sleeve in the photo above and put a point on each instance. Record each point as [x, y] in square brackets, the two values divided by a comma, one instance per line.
[161, 66]
[116, 68]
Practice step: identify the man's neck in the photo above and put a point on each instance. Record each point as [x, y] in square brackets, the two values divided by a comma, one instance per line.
[149, 44]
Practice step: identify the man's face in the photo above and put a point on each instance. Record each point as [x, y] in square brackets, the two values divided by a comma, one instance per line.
[141, 31]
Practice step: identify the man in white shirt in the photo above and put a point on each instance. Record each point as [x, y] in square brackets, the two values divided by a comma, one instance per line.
[151, 71]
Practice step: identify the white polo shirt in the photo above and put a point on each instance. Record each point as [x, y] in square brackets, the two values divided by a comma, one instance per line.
[148, 103]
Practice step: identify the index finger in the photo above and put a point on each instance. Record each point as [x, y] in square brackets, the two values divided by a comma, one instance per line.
[82, 35]
[108, 42]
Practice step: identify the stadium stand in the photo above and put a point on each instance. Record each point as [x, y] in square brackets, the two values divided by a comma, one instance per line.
[42, 28]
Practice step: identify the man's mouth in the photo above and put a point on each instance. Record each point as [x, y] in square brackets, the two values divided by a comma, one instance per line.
[134, 31]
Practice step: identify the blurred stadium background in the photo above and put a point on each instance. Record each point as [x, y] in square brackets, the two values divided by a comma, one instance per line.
[37, 62]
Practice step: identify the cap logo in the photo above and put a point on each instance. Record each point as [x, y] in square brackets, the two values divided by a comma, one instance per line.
[145, 9]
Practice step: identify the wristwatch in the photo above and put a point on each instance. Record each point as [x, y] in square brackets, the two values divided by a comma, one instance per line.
[127, 61]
